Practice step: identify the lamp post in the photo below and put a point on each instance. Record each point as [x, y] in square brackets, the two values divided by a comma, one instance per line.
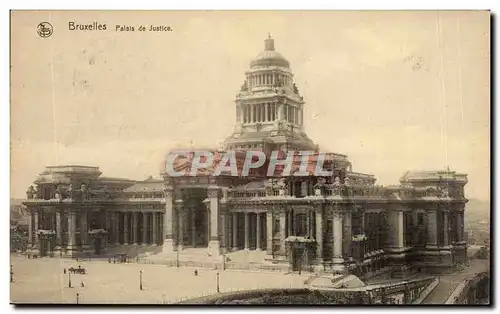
[177, 260]
[69, 279]
[140, 280]
[218, 289]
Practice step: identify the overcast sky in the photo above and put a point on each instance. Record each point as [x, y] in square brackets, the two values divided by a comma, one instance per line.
[395, 91]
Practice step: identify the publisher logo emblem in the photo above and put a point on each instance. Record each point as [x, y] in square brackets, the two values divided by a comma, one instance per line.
[44, 29]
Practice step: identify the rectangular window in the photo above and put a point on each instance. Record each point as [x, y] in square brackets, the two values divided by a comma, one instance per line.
[276, 225]
[303, 188]
[329, 226]
[420, 218]
[301, 223]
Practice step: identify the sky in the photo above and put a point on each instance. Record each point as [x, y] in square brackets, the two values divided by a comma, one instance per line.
[395, 91]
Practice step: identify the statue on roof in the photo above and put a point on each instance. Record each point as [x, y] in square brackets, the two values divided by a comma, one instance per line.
[59, 192]
[31, 192]
[269, 187]
[444, 192]
[295, 89]
[244, 87]
[85, 191]
[320, 182]
[69, 190]
[282, 186]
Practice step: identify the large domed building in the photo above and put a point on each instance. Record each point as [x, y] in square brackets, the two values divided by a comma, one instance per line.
[269, 108]
[342, 223]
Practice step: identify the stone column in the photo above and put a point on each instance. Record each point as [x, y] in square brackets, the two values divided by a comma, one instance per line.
[269, 232]
[58, 231]
[193, 227]
[460, 226]
[247, 231]
[290, 223]
[168, 242]
[125, 228]
[446, 229]
[319, 236]
[116, 227]
[106, 227]
[83, 229]
[396, 229]
[30, 228]
[308, 223]
[338, 260]
[400, 229]
[266, 108]
[35, 227]
[282, 232]
[155, 229]
[145, 218]
[135, 227]
[235, 231]
[258, 245]
[347, 233]
[224, 232]
[281, 111]
[431, 228]
[214, 244]
[252, 113]
[71, 230]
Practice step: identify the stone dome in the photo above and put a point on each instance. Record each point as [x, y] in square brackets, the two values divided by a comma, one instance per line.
[269, 57]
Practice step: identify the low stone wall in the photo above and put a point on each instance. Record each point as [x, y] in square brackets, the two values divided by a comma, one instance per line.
[426, 292]
[376, 294]
[282, 296]
[465, 292]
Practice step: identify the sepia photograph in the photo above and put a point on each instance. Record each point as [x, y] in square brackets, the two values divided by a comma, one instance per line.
[250, 157]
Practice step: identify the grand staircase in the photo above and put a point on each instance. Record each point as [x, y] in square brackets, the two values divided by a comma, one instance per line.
[134, 251]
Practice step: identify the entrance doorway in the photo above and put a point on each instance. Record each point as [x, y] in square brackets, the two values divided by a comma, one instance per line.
[199, 227]
[45, 244]
[298, 258]
[44, 247]
[97, 245]
[196, 220]
[300, 254]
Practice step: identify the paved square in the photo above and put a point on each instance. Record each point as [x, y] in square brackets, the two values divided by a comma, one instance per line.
[43, 281]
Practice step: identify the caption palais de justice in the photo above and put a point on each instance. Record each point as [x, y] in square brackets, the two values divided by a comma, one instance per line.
[96, 26]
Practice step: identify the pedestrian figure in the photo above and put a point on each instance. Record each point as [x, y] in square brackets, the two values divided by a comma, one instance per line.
[82, 284]
[109, 260]
[65, 271]
[196, 272]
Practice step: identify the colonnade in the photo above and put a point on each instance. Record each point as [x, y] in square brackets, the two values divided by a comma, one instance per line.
[267, 112]
[438, 230]
[268, 79]
[253, 235]
[144, 227]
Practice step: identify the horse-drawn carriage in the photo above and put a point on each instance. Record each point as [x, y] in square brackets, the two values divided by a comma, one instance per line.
[80, 270]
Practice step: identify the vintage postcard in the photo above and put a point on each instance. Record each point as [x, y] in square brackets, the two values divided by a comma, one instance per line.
[250, 157]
